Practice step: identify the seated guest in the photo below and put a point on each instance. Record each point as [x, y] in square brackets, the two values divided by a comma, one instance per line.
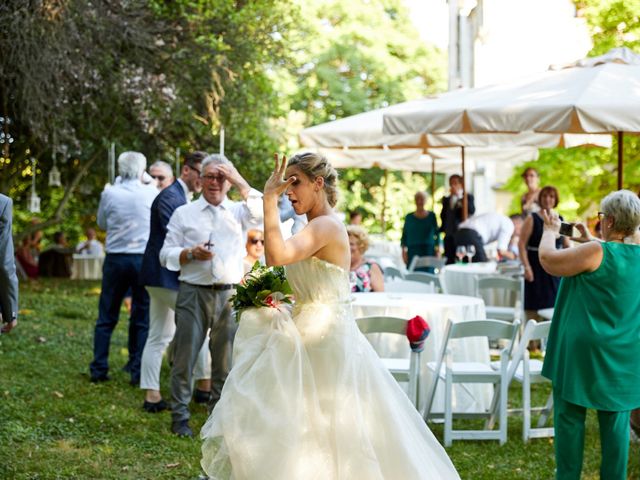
[91, 246]
[480, 230]
[593, 349]
[255, 249]
[365, 275]
[25, 256]
[56, 260]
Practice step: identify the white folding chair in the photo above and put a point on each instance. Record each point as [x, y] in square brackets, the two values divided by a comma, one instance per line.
[425, 277]
[402, 369]
[508, 290]
[408, 286]
[473, 372]
[427, 261]
[528, 371]
[393, 273]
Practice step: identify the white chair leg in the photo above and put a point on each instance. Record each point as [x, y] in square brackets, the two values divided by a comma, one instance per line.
[526, 408]
[448, 410]
[503, 412]
[548, 408]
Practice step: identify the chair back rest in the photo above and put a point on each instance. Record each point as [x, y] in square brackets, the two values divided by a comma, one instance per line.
[492, 329]
[382, 324]
[409, 286]
[424, 277]
[532, 331]
[511, 288]
[391, 273]
[427, 261]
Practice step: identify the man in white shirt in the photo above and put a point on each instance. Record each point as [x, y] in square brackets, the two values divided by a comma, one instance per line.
[205, 242]
[480, 230]
[124, 212]
[91, 246]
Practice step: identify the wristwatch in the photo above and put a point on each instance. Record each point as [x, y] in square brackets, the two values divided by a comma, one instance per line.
[190, 255]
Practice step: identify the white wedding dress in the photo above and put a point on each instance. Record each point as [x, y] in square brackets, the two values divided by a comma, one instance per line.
[307, 397]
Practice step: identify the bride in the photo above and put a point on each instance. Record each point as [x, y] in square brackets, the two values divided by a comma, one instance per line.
[307, 397]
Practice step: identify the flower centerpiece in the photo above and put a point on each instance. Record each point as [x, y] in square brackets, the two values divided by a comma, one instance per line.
[262, 287]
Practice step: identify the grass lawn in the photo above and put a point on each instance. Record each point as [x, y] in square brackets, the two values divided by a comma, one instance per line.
[55, 424]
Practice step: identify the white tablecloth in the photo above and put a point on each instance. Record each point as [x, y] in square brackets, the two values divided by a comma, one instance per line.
[87, 267]
[435, 309]
[459, 279]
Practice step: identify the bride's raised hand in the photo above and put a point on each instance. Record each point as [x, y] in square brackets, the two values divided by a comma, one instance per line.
[276, 184]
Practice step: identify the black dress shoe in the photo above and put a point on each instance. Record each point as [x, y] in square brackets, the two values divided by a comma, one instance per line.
[100, 378]
[181, 428]
[155, 407]
[201, 396]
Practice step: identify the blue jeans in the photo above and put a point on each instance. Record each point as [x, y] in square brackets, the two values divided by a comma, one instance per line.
[119, 274]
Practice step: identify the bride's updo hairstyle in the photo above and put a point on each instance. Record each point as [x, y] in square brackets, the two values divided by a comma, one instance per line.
[314, 165]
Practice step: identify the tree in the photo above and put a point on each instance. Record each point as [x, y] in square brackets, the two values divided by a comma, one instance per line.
[358, 56]
[150, 76]
[582, 175]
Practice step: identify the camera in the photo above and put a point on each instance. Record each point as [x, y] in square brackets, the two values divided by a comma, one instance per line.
[566, 229]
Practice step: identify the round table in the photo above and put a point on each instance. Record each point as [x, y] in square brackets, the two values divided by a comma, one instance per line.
[460, 278]
[87, 267]
[435, 309]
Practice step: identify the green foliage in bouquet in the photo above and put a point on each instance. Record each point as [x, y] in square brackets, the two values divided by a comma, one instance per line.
[262, 287]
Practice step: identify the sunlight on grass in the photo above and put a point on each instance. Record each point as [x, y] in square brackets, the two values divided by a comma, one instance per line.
[56, 424]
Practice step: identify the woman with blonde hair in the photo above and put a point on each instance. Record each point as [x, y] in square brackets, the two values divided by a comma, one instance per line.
[308, 397]
[365, 275]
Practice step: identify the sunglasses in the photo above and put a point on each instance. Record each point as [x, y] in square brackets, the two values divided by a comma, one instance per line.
[214, 178]
[159, 177]
[197, 170]
[255, 241]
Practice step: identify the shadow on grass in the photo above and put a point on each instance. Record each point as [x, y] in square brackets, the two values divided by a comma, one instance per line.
[56, 424]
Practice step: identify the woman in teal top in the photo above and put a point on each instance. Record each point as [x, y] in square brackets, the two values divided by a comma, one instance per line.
[593, 351]
[420, 232]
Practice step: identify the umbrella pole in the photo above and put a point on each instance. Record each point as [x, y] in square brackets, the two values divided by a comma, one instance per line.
[620, 159]
[465, 206]
[384, 203]
[433, 183]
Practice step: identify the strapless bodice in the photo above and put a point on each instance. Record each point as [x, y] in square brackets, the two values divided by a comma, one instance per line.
[318, 281]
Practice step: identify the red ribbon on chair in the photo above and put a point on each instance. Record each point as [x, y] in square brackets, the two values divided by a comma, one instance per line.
[417, 332]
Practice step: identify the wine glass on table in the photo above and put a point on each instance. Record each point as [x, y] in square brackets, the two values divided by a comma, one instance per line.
[471, 252]
[461, 251]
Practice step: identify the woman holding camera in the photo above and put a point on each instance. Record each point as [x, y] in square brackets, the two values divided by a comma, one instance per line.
[593, 348]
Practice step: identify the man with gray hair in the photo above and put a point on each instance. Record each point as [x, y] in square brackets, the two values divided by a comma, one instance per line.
[205, 243]
[124, 212]
[162, 173]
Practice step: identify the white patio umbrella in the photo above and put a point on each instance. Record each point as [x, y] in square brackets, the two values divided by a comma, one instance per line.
[599, 95]
[358, 141]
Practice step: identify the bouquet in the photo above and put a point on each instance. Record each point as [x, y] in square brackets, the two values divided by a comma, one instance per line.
[262, 287]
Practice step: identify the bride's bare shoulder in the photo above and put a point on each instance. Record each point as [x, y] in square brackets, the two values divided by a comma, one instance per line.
[331, 222]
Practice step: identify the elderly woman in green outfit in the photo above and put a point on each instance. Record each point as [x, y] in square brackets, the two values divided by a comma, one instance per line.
[593, 347]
